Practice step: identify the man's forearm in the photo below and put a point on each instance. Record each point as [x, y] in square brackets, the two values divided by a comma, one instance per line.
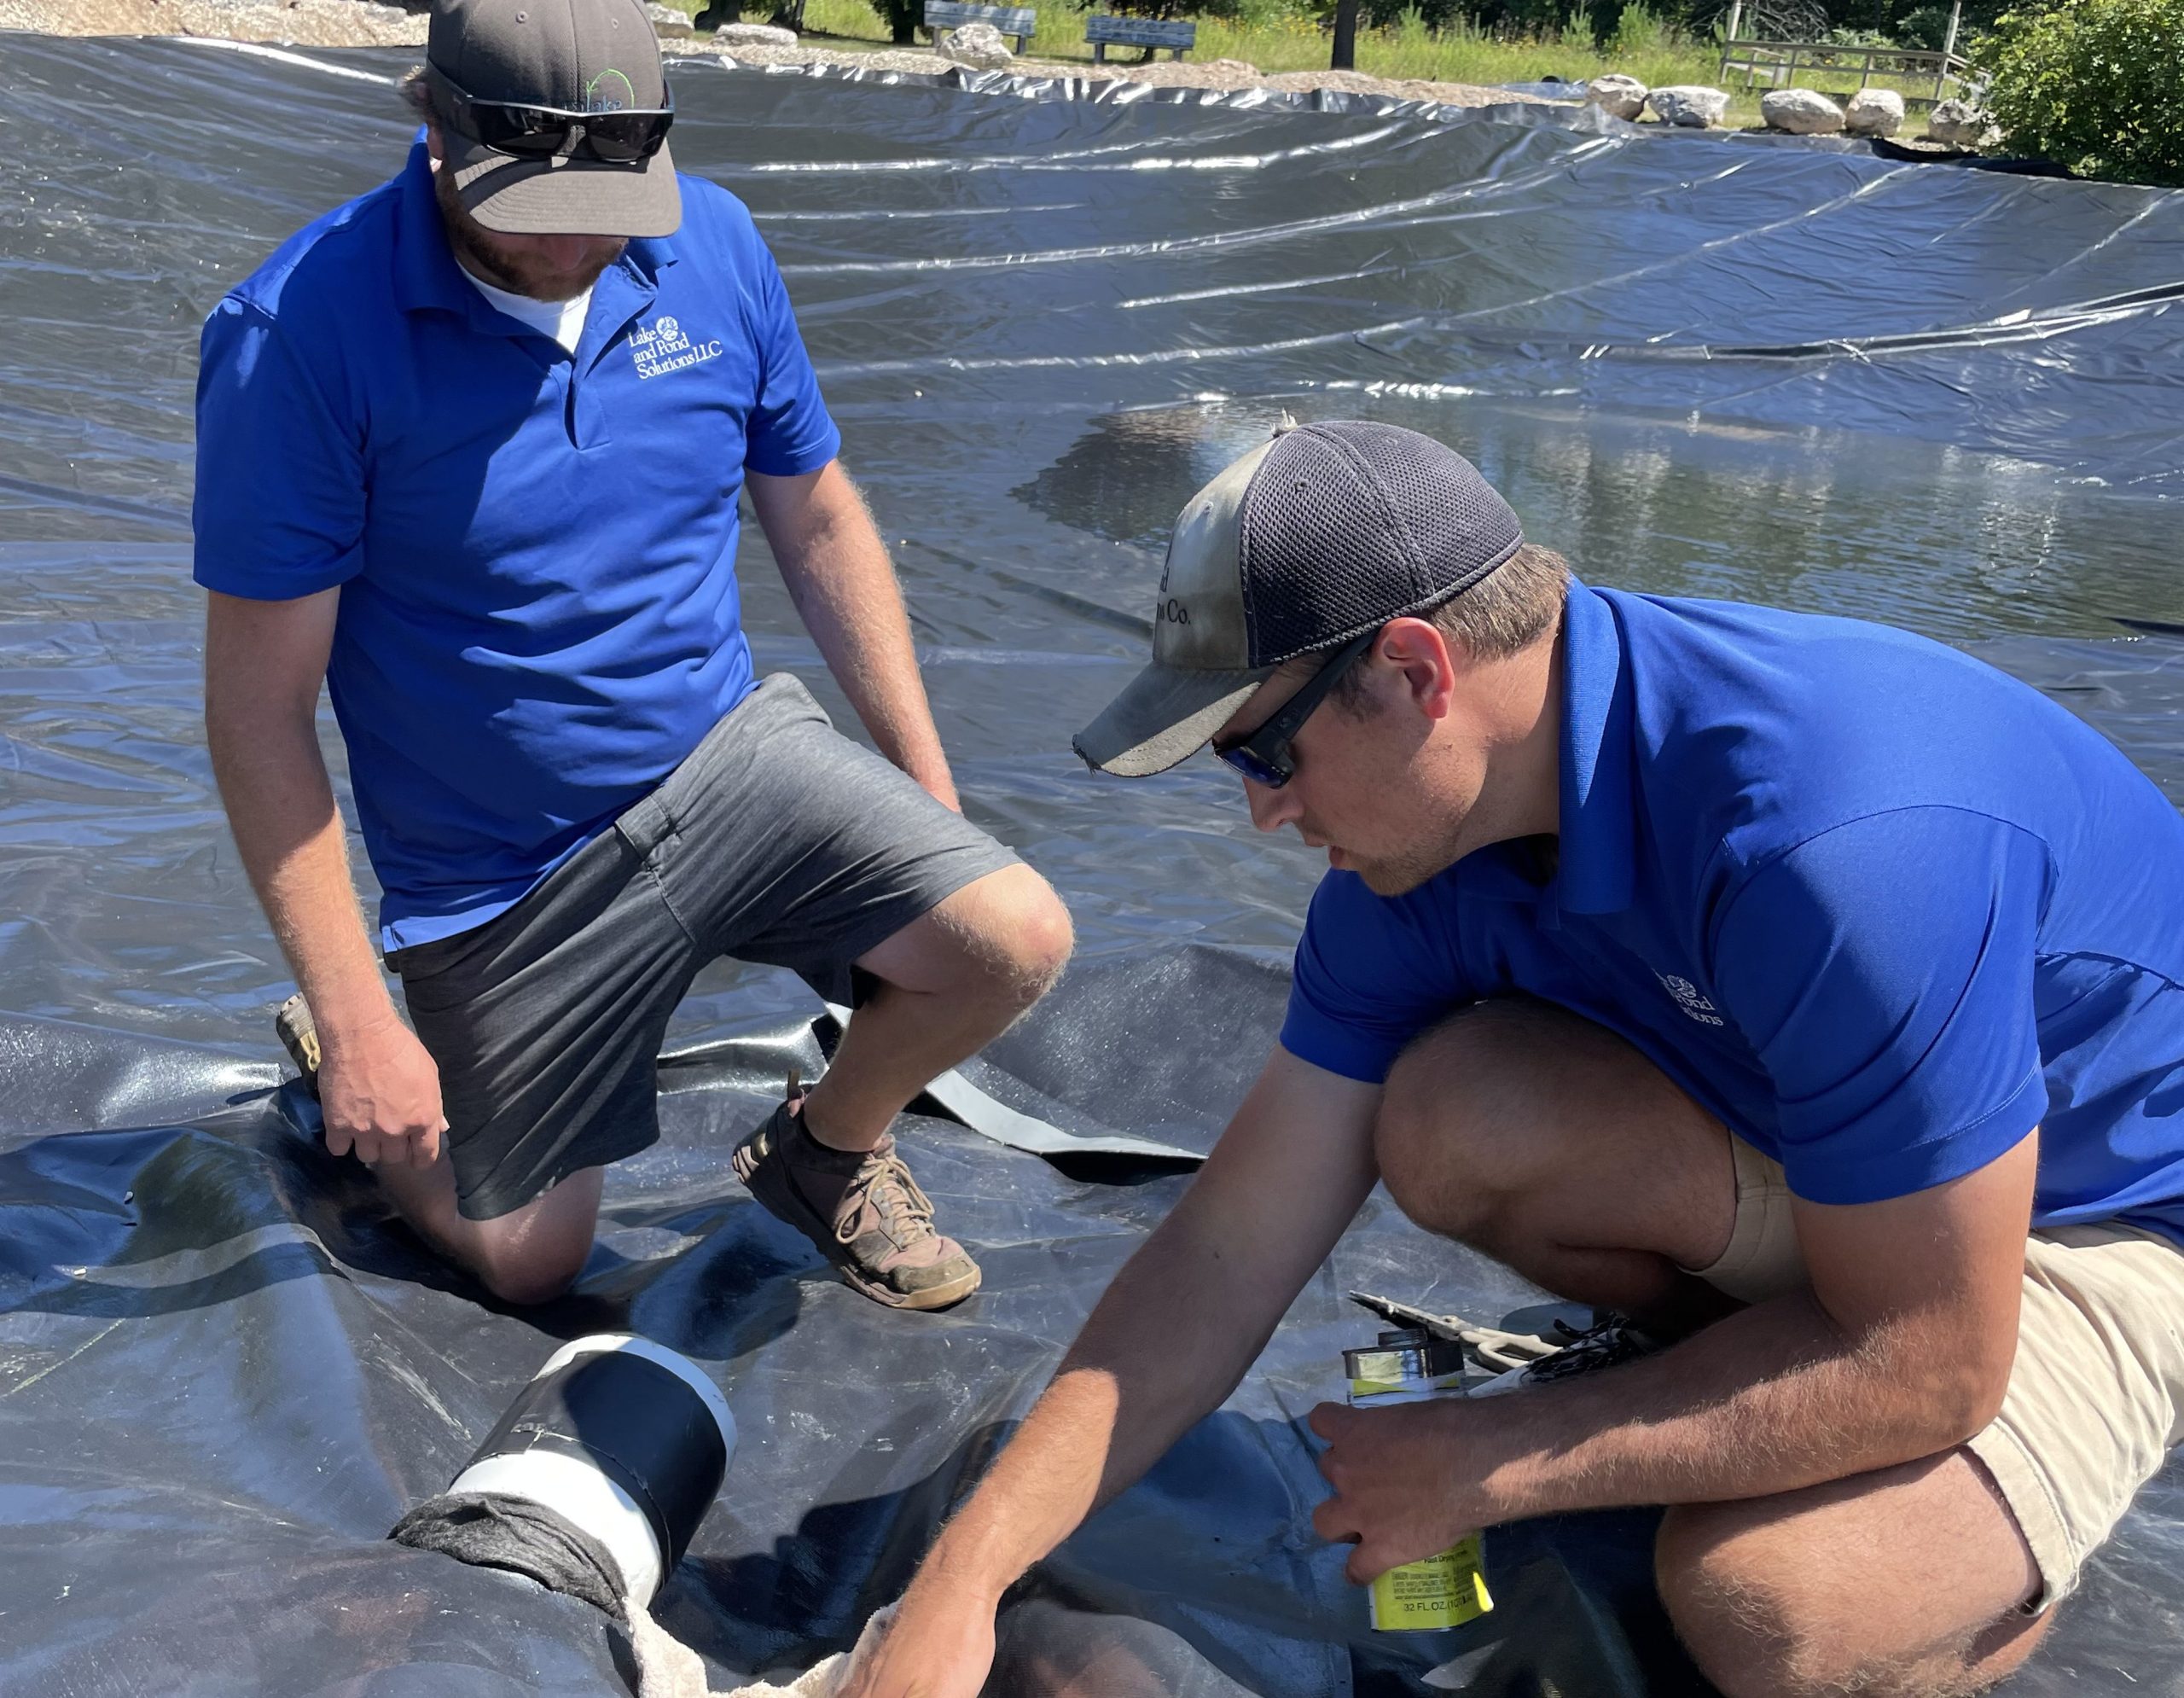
[1167, 1342]
[1143, 1370]
[1772, 1398]
[281, 807]
[1046, 1481]
[846, 591]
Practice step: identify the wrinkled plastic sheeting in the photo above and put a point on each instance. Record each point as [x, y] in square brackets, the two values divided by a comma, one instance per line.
[1523, 249]
[1044, 313]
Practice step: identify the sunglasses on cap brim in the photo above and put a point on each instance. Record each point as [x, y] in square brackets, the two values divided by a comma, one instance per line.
[544, 132]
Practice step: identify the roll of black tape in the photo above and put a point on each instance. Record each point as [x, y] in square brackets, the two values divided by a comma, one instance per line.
[626, 1440]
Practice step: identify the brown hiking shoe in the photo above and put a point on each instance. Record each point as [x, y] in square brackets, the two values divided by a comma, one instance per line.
[864, 1210]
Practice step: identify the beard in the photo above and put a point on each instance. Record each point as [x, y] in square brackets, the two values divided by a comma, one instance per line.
[1403, 868]
[505, 263]
[1400, 875]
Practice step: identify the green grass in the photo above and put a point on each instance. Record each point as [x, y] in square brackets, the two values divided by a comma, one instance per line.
[1274, 39]
[1278, 41]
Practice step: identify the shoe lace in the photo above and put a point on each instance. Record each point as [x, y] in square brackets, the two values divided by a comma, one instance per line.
[904, 1210]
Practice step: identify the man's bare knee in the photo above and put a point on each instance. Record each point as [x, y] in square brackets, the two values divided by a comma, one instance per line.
[1737, 1607]
[1751, 1601]
[1452, 1141]
[1038, 937]
[1003, 939]
[528, 1277]
[531, 1254]
[524, 1287]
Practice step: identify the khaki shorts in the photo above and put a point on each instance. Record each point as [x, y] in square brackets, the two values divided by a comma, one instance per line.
[2096, 1399]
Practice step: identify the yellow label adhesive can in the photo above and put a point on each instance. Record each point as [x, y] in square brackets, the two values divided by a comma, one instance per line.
[1409, 1365]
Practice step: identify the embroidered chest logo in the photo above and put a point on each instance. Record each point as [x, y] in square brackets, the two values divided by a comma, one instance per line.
[1688, 999]
[664, 345]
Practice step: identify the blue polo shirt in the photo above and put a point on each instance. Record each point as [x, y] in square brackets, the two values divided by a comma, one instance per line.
[1879, 907]
[538, 617]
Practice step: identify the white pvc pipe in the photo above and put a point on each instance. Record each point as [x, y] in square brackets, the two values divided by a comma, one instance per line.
[578, 1491]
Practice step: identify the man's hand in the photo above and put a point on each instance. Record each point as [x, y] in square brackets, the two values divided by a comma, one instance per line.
[936, 1646]
[380, 1091]
[1400, 1490]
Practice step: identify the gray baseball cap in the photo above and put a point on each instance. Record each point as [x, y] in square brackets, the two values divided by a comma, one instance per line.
[1325, 533]
[572, 55]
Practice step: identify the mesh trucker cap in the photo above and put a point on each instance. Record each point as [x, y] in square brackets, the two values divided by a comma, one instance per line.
[574, 55]
[1328, 531]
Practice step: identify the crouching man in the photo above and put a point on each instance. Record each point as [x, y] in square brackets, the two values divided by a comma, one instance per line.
[1801, 989]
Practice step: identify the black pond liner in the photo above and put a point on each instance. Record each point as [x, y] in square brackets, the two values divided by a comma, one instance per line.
[1795, 373]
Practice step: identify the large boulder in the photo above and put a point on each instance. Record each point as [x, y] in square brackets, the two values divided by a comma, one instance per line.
[1873, 112]
[1961, 124]
[1802, 112]
[1689, 107]
[666, 22]
[754, 35]
[980, 46]
[1617, 95]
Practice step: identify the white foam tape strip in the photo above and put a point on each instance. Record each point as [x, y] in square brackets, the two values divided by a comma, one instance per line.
[577, 1491]
[628, 1343]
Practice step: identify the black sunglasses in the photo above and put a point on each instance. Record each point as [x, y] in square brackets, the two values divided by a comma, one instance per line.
[541, 132]
[1264, 757]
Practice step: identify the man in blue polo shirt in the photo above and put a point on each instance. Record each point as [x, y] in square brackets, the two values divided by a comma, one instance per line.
[470, 448]
[1805, 990]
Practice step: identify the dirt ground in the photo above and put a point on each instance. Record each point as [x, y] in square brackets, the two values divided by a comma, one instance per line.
[358, 23]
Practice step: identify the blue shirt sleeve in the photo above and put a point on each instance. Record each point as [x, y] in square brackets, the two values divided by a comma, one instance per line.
[1883, 972]
[279, 511]
[1372, 973]
[789, 431]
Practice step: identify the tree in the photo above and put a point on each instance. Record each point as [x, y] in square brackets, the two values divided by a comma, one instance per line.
[2096, 85]
[1345, 36]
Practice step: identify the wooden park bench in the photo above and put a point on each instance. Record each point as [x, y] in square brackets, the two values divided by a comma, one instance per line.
[1179, 35]
[943, 15]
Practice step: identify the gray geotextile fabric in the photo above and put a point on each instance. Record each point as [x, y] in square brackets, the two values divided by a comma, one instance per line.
[496, 1530]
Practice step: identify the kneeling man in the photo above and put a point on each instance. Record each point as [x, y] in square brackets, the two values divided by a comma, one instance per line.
[1805, 990]
[469, 455]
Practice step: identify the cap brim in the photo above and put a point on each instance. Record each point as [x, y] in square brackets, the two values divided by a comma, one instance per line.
[567, 196]
[1166, 714]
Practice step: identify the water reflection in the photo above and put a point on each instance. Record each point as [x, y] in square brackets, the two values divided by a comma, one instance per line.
[1127, 476]
[1959, 544]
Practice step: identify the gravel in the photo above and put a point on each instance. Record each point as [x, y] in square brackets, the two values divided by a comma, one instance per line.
[300, 23]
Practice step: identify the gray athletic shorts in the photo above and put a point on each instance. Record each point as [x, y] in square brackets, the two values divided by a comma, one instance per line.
[776, 840]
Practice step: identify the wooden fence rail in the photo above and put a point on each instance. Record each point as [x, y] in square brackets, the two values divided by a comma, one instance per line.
[1779, 62]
